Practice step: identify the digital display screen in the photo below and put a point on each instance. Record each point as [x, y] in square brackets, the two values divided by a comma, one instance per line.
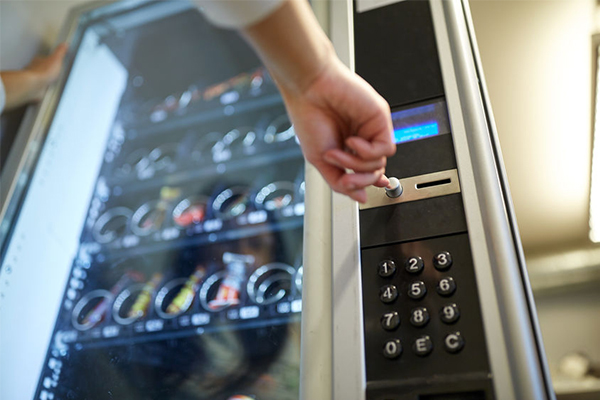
[420, 122]
[158, 250]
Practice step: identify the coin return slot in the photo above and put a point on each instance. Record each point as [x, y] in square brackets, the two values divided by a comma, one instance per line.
[434, 183]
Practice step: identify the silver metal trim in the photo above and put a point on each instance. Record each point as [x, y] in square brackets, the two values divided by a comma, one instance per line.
[511, 215]
[377, 197]
[348, 372]
[510, 339]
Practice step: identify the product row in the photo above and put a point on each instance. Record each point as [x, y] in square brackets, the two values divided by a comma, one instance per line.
[135, 296]
[172, 213]
[195, 98]
[189, 150]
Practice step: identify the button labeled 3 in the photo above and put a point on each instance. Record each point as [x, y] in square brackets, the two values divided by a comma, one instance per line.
[387, 268]
[442, 261]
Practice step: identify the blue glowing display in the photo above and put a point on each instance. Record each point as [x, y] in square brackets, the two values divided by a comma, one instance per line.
[415, 132]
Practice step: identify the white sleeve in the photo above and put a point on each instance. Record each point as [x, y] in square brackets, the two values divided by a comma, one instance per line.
[236, 13]
[2, 96]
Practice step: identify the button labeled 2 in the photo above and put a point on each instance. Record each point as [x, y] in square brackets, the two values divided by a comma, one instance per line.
[414, 265]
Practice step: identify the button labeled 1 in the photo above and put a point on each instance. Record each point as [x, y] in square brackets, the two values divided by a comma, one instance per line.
[387, 268]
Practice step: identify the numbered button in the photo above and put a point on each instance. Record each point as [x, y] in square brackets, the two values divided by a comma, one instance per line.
[446, 286]
[450, 313]
[392, 349]
[419, 316]
[442, 261]
[388, 293]
[454, 342]
[414, 265]
[417, 290]
[422, 346]
[390, 321]
[387, 268]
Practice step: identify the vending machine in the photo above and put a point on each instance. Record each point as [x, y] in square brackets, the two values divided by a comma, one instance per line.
[162, 237]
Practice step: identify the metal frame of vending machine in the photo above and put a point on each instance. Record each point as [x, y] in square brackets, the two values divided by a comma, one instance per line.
[429, 290]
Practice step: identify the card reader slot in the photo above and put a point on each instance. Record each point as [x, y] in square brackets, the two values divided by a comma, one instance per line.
[414, 188]
[434, 183]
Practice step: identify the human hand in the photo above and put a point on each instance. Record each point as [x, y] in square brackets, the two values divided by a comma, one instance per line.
[342, 124]
[45, 70]
[29, 84]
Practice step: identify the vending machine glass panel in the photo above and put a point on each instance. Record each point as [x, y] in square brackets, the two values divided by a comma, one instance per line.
[157, 249]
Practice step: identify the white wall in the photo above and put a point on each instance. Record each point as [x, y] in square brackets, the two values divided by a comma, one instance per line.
[29, 27]
[537, 63]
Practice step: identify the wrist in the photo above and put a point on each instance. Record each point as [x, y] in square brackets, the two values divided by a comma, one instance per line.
[292, 45]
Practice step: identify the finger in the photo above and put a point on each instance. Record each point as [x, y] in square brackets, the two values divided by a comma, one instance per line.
[354, 181]
[382, 182]
[370, 150]
[359, 195]
[335, 178]
[344, 159]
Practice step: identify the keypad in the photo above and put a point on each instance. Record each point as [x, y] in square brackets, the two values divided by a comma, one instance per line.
[424, 295]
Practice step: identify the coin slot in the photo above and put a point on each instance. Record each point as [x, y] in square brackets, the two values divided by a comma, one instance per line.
[440, 182]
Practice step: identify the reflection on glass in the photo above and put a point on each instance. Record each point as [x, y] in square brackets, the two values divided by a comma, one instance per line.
[187, 279]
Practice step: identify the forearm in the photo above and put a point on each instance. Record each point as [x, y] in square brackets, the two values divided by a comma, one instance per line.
[21, 87]
[292, 45]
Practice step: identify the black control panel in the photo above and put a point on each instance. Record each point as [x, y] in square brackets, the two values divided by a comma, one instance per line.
[424, 334]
